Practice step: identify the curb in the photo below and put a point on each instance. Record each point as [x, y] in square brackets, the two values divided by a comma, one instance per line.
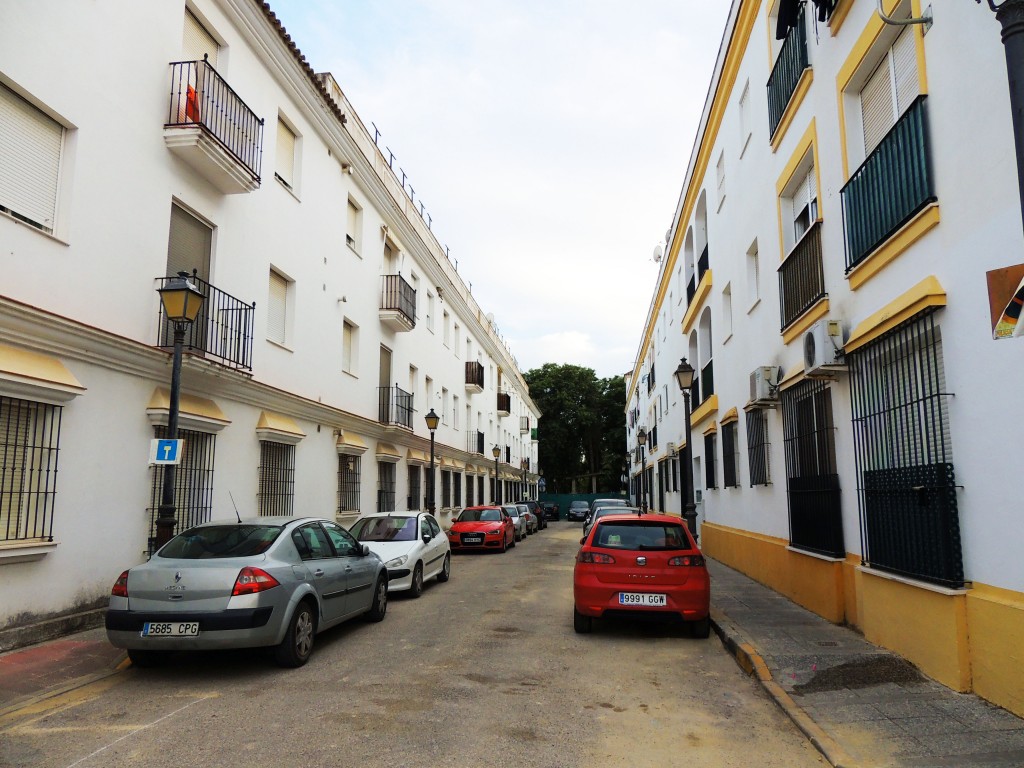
[17, 706]
[750, 661]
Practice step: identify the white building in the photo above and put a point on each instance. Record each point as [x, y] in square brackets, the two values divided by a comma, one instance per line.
[847, 237]
[333, 321]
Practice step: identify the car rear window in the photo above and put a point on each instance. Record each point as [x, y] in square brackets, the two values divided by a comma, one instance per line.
[221, 541]
[640, 535]
[385, 529]
[476, 515]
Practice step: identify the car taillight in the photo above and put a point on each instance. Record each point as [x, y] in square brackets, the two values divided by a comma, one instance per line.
[693, 561]
[253, 580]
[596, 557]
[120, 588]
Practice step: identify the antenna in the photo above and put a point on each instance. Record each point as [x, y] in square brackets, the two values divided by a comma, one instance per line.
[236, 507]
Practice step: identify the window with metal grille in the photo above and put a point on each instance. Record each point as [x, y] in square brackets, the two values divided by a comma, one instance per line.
[457, 492]
[193, 482]
[710, 475]
[675, 473]
[757, 447]
[414, 487]
[480, 490]
[277, 478]
[446, 488]
[730, 457]
[815, 519]
[469, 491]
[348, 483]
[29, 444]
[385, 486]
[908, 505]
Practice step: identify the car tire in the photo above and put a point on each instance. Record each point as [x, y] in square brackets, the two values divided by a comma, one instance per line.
[504, 545]
[701, 628]
[146, 659]
[379, 607]
[416, 587]
[446, 569]
[582, 624]
[297, 644]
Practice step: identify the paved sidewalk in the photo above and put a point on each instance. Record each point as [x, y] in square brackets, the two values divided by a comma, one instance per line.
[860, 705]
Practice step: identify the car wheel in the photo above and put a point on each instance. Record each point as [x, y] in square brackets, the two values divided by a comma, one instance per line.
[417, 581]
[297, 644]
[380, 600]
[446, 569]
[701, 628]
[582, 624]
[146, 659]
[504, 544]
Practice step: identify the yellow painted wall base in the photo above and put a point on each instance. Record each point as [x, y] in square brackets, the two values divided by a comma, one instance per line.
[996, 621]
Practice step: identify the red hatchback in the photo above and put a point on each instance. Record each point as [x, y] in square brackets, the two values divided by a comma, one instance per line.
[486, 527]
[641, 567]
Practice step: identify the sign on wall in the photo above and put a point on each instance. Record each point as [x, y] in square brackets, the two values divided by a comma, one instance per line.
[1005, 299]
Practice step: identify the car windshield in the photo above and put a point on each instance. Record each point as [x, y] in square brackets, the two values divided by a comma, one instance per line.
[479, 515]
[512, 511]
[385, 529]
[221, 541]
[640, 534]
[615, 510]
[580, 505]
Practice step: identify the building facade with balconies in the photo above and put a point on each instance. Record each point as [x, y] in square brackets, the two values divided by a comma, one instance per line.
[840, 273]
[332, 320]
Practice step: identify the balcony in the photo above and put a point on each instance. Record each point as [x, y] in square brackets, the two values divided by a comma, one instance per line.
[504, 403]
[524, 424]
[397, 303]
[801, 277]
[707, 381]
[474, 378]
[890, 187]
[786, 73]
[212, 130]
[475, 442]
[703, 264]
[394, 408]
[223, 330]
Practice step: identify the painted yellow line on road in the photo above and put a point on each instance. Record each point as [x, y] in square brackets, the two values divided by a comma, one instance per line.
[73, 698]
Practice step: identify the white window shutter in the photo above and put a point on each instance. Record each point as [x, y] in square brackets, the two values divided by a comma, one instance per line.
[285, 152]
[188, 247]
[197, 41]
[30, 154]
[876, 107]
[277, 308]
[904, 56]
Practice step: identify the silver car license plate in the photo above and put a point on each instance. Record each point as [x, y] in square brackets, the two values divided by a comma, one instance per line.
[170, 629]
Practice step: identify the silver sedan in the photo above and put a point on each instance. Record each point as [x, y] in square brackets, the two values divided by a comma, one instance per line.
[518, 520]
[267, 581]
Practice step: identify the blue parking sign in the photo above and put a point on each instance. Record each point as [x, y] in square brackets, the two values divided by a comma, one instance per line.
[165, 451]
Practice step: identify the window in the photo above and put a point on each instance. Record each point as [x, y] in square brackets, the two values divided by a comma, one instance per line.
[188, 244]
[447, 329]
[745, 123]
[286, 149]
[727, 312]
[29, 443]
[753, 276]
[455, 411]
[193, 482]
[757, 447]
[197, 42]
[415, 475]
[277, 308]
[469, 491]
[446, 488]
[350, 348]
[444, 405]
[414, 280]
[430, 311]
[710, 446]
[31, 153]
[803, 201]
[348, 483]
[889, 90]
[429, 390]
[720, 176]
[455, 345]
[385, 486]
[277, 478]
[353, 235]
[730, 457]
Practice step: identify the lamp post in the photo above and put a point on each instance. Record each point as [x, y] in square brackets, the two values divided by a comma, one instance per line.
[496, 452]
[432, 420]
[641, 439]
[181, 302]
[684, 375]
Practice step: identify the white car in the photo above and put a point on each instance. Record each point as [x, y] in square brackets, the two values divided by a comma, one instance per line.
[518, 520]
[411, 545]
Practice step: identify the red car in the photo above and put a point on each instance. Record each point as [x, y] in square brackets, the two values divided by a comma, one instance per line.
[485, 527]
[641, 567]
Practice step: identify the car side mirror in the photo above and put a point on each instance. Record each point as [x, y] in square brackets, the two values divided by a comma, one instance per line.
[364, 549]
[583, 539]
[426, 538]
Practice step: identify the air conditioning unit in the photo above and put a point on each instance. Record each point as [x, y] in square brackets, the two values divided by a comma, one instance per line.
[671, 448]
[823, 350]
[764, 385]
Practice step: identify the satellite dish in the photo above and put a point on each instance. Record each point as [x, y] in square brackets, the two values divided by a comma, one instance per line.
[658, 253]
[490, 317]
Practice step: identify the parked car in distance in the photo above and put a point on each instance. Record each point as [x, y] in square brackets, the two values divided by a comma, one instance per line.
[535, 509]
[518, 520]
[410, 544]
[265, 581]
[604, 511]
[577, 510]
[532, 521]
[641, 567]
[483, 527]
[550, 510]
[596, 504]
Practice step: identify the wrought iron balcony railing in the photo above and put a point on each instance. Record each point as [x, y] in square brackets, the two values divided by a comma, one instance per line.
[223, 330]
[691, 289]
[801, 276]
[891, 185]
[394, 406]
[786, 73]
[707, 381]
[475, 442]
[475, 375]
[200, 97]
[703, 264]
[504, 402]
[396, 295]
[815, 514]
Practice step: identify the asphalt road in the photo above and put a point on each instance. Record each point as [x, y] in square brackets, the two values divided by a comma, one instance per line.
[482, 671]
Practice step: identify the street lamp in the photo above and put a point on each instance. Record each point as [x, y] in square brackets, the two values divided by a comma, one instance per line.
[432, 420]
[496, 452]
[684, 375]
[641, 439]
[181, 302]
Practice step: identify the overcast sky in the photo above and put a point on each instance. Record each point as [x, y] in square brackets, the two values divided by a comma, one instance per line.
[547, 139]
